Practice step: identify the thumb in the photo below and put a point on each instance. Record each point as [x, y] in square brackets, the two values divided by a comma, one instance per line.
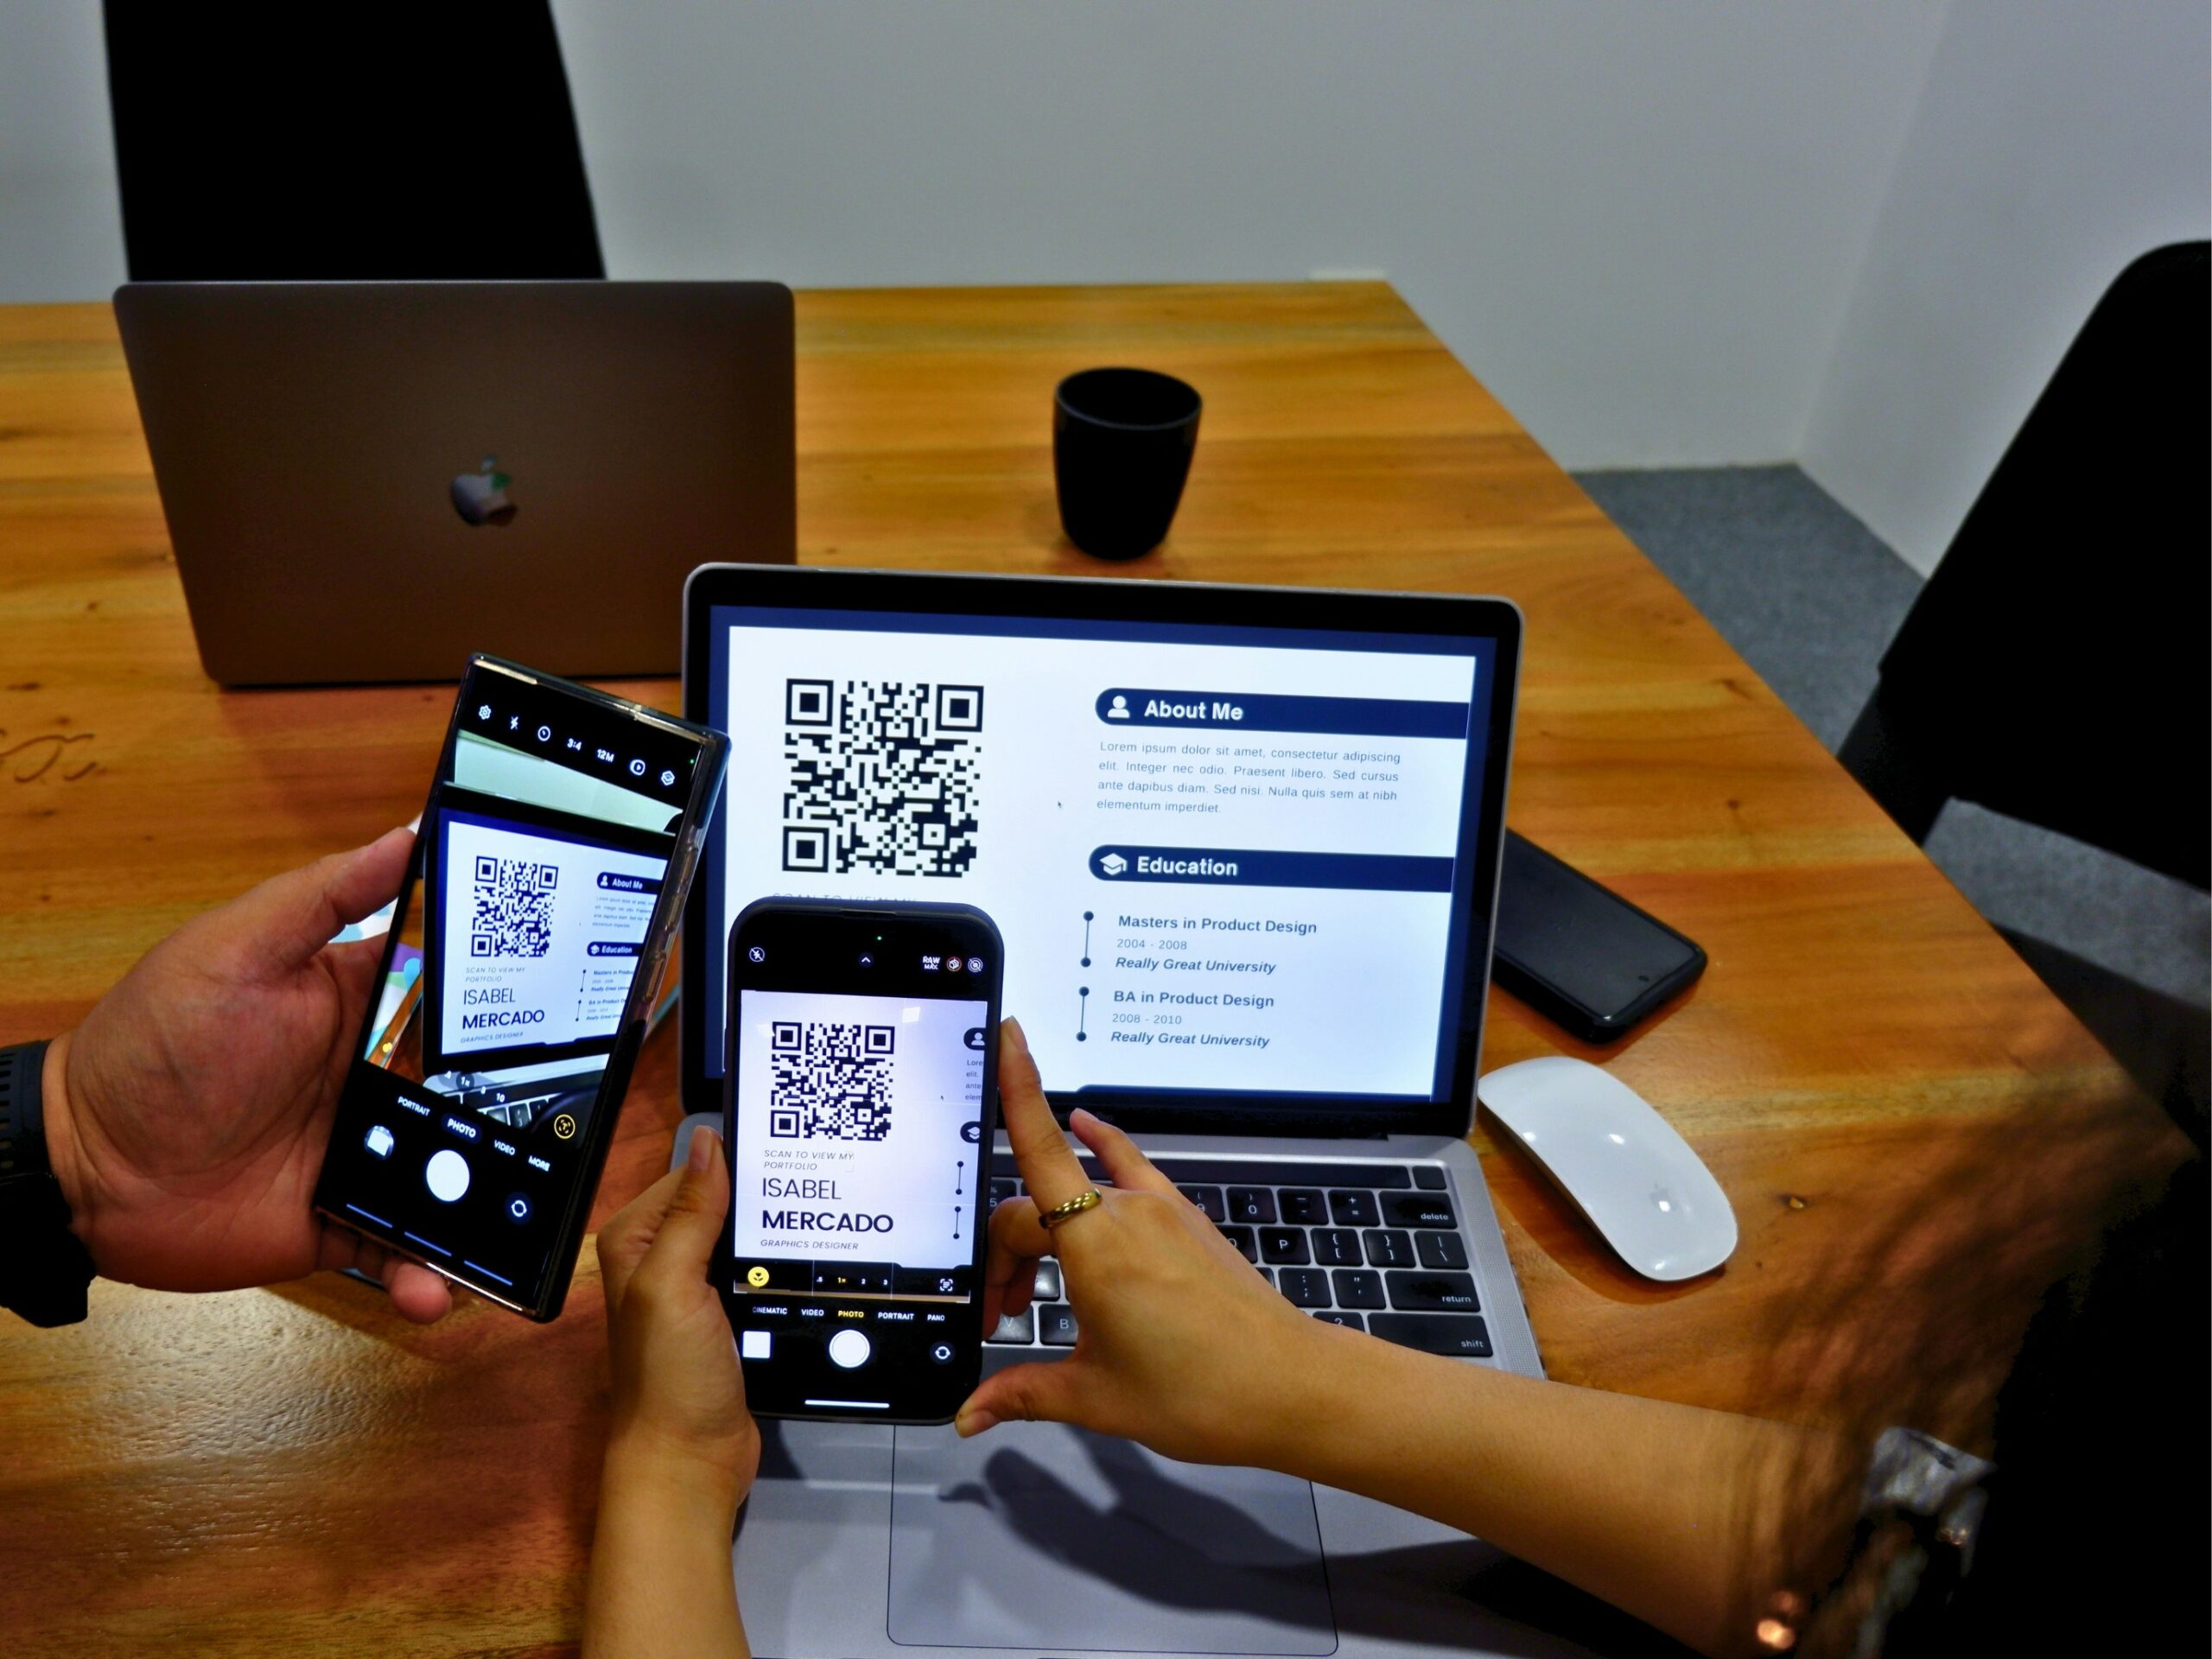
[283, 923]
[1046, 1392]
[684, 1243]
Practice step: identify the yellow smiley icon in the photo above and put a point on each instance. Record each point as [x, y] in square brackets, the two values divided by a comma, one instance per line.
[756, 1277]
[564, 1127]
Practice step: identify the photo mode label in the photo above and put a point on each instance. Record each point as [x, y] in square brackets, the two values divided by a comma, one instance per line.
[850, 1156]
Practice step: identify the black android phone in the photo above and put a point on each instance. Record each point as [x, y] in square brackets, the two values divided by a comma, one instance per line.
[526, 943]
[861, 1100]
[1580, 953]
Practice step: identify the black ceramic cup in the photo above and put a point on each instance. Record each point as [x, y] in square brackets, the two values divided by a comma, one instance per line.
[1121, 443]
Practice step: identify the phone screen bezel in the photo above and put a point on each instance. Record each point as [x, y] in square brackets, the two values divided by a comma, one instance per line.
[543, 1300]
[813, 945]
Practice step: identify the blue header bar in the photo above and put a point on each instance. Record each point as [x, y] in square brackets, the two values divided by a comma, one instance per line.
[1237, 866]
[1238, 711]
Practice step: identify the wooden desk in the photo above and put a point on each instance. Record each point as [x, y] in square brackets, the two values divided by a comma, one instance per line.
[293, 1471]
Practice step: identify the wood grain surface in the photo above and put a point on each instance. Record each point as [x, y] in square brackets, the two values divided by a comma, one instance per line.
[296, 1472]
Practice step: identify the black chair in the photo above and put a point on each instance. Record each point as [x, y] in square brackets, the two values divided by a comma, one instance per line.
[2055, 668]
[337, 142]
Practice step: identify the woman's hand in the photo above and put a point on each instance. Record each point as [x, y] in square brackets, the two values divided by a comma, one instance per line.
[683, 1449]
[1182, 1346]
[679, 1395]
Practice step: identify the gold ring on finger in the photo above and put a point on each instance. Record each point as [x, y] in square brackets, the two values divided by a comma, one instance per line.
[1091, 1199]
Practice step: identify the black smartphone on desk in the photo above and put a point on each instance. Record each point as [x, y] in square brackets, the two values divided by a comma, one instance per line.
[861, 1101]
[1578, 952]
[527, 941]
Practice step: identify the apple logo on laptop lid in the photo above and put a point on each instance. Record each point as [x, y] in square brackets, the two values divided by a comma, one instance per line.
[481, 498]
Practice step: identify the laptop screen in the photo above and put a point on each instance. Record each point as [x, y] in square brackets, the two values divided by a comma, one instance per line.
[1232, 864]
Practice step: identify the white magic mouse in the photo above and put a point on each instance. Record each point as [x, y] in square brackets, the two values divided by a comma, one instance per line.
[1637, 1181]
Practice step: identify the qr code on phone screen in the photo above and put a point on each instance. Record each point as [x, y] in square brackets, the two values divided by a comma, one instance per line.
[514, 907]
[881, 777]
[829, 1081]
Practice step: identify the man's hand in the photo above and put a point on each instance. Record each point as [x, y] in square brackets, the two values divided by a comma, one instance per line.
[187, 1117]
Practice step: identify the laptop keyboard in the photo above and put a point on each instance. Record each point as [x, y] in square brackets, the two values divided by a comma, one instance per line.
[1377, 1247]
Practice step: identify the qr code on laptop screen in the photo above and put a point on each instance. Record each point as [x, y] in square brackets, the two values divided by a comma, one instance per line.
[513, 915]
[881, 777]
[829, 1081]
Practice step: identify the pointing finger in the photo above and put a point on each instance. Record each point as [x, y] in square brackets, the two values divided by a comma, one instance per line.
[1125, 1164]
[1048, 1165]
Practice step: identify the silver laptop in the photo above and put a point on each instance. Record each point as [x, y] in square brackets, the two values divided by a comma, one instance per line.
[1302, 794]
[369, 481]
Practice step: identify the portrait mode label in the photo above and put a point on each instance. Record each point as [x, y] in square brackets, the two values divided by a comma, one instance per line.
[849, 1147]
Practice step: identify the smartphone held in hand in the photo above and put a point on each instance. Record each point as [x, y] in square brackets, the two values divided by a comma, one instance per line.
[550, 872]
[860, 1109]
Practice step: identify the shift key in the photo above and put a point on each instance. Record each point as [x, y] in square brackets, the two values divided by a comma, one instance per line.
[1460, 1334]
[1421, 1291]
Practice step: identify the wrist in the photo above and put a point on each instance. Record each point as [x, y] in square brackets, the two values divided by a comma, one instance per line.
[1326, 1422]
[1322, 1389]
[669, 1476]
[64, 1149]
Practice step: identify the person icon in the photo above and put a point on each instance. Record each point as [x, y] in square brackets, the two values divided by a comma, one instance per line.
[1120, 709]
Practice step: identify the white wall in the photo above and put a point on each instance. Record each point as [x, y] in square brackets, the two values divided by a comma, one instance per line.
[1859, 232]
[60, 227]
[1637, 223]
[2054, 143]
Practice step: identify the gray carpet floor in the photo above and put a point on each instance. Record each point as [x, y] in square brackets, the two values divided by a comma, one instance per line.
[1810, 596]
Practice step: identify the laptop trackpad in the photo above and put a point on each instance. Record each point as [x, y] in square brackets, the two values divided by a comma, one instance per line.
[1047, 1538]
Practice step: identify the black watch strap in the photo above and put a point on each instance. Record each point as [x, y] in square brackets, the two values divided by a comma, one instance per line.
[44, 1268]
